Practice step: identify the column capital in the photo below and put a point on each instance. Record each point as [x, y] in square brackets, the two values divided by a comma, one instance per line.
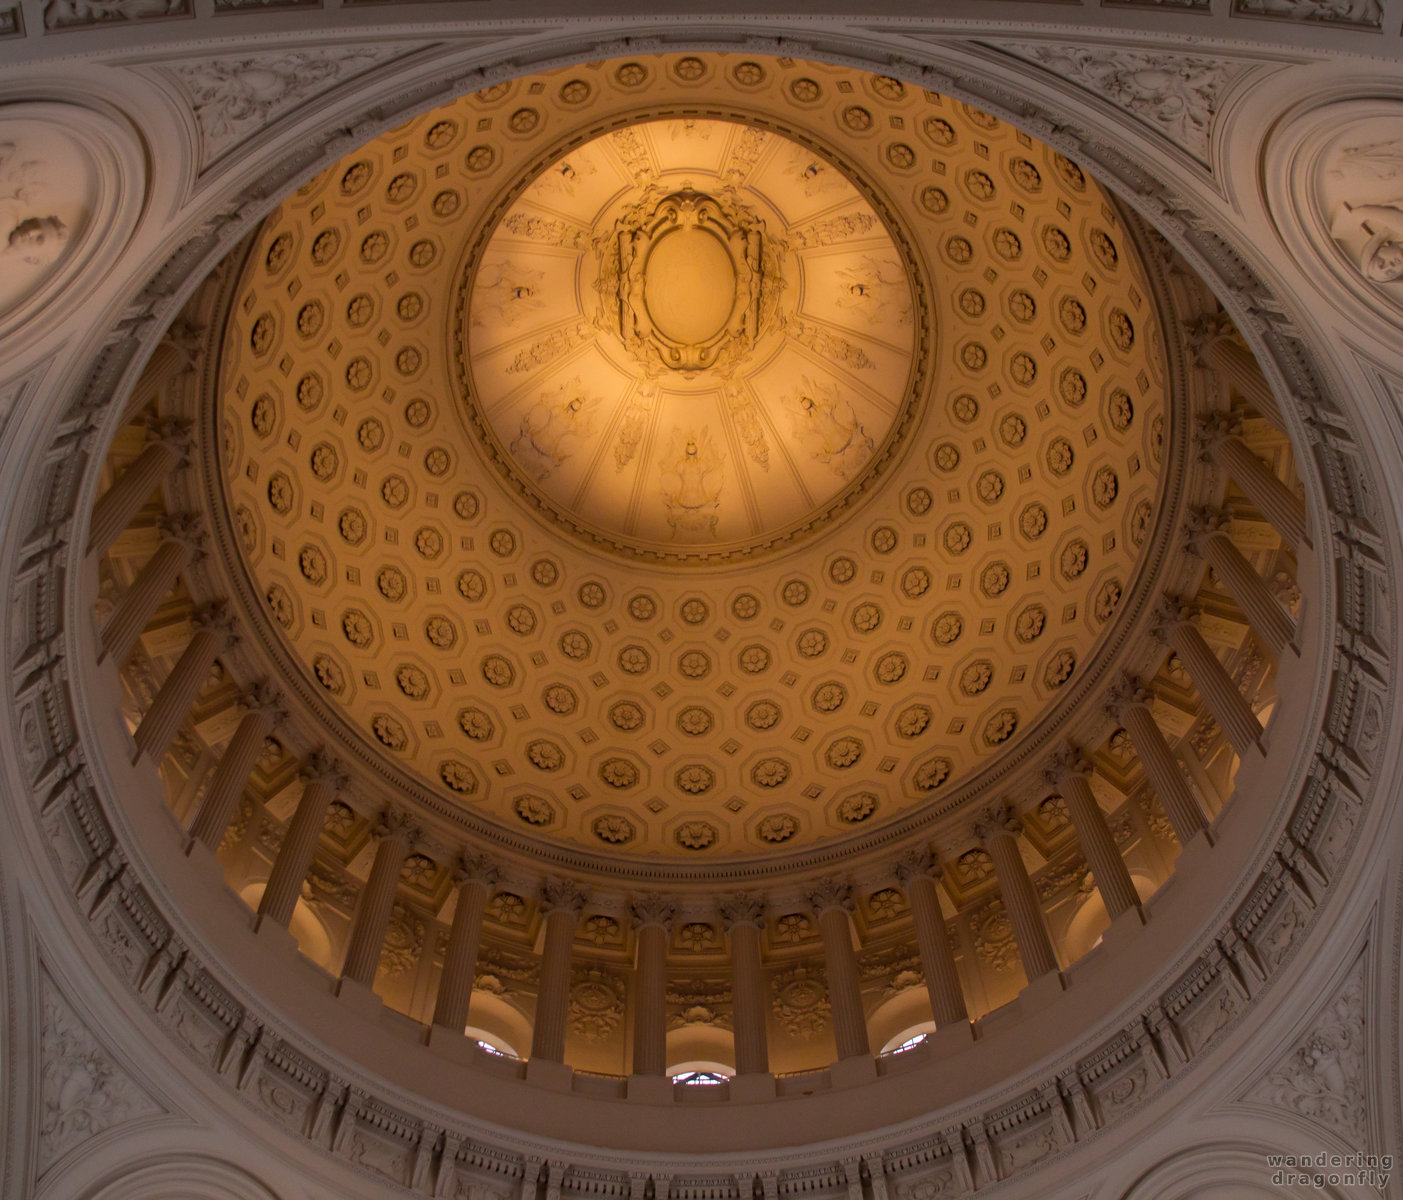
[262, 697]
[322, 767]
[477, 868]
[1127, 690]
[216, 618]
[563, 894]
[395, 823]
[916, 864]
[994, 820]
[175, 435]
[1169, 612]
[829, 893]
[184, 335]
[187, 528]
[743, 908]
[1201, 523]
[652, 909]
[1204, 330]
[1212, 429]
[1069, 760]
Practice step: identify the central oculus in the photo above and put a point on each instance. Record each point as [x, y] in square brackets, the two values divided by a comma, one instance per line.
[689, 287]
[689, 276]
[689, 340]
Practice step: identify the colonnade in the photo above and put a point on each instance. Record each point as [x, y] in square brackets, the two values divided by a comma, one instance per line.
[997, 828]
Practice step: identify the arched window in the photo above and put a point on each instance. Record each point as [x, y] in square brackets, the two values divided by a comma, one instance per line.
[700, 1074]
[910, 1038]
[490, 1043]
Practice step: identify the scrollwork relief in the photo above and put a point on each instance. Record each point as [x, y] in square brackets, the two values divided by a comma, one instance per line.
[234, 97]
[1323, 1077]
[1180, 95]
[82, 1089]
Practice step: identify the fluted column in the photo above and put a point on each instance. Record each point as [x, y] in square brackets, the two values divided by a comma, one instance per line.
[263, 712]
[652, 918]
[1070, 773]
[562, 902]
[214, 634]
[918, 874]
[997, 831]
[744, 918]
[476, 877]
[1227, 704]
[1211, 338]
[1272, 498]
[832, 901]
[172, 357]
[168, 446]
[1129, 702]
[322, 779]
[397, 834]
[182, 541]
[1270, 622]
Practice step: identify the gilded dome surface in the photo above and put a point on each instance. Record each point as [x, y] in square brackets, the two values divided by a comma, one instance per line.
[693, 456]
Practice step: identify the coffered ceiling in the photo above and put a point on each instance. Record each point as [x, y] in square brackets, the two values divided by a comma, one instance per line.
[693, 456]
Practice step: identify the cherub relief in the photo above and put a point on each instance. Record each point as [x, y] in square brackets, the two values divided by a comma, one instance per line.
[552, 428]
[506, 294]
[875, 291]
[692, 481]
[31, 235]
[1367, 222]
[827, 427]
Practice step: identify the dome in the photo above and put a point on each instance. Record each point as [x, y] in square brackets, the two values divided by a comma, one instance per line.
[700, 608]
[709, 485]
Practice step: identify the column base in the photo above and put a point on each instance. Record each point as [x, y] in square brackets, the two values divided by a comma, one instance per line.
[849, 1072]
[277, 938]
[452, 1045]
[951, 1038]
[553, 1075]
[1193, 858]
[1123, 930]
[360, 999]
[650, 1089]
[752, 1088]
[1041, 992]
[203, 858]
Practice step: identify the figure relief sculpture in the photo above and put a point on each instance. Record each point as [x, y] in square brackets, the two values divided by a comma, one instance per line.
[36, 195]
[553, 428]
[828, 428]
[507, 294]
[692, 480]
[1363, 182]
[876, 291]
